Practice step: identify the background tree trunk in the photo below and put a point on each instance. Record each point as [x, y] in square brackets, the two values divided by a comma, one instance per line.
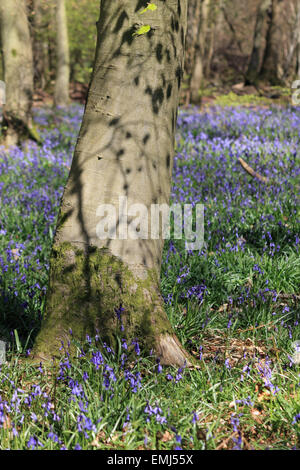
[296, 40]
[298, 51]
[269, 69]
[210, 38]
[199, 52]
[258, 42]
[40, 45]
[125, 148]
[193, 24]
[18, 70]
[61, 94]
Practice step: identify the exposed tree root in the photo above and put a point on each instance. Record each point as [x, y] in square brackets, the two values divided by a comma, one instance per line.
[171, 353]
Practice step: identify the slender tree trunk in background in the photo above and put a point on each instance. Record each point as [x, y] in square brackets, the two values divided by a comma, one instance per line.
[40, 45]
[61, 94]
[258, 42]
[199, 52]
[298, 57]
[210, 39]
[1, 52]
[294, 43]
[125, 149]
[269, 69]
[18, 70]
[193, 22]
[297, 34]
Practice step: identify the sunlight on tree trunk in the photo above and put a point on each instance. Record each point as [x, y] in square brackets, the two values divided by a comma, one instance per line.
[18, 71]
[61, 94]
[125, 148]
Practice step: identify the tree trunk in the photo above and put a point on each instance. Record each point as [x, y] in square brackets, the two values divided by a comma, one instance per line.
[291, 58]
[125, 149]
[297, 39]
[40, 45]
[61, 94]
[210, 39]
[193, 19]
[18, 71]
[199, 52]
[269, 69]
[298, 54]
[194, 12]
[257, 50]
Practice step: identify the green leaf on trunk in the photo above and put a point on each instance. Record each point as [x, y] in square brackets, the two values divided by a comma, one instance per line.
[142, 30]
[151, 6]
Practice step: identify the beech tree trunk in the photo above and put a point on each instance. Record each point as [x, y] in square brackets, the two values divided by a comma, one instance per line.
[18, 71]
[258, 42]
[61, 94]
[269, 69]
[125, 148]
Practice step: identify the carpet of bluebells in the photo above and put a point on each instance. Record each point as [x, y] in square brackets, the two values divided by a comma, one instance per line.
[234, 304]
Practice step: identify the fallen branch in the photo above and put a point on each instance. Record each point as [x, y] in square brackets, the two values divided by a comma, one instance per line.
[251, 172]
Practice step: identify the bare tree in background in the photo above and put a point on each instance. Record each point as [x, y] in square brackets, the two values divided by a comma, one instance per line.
[192, 40]
[297, 27]
[18, 71]
[61, 94]
[40, 43]
[258, 42]
[197, 75]
[270, 64]
[198, 16]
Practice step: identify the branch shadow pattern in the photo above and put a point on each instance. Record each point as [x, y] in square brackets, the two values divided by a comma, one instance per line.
[126, 141]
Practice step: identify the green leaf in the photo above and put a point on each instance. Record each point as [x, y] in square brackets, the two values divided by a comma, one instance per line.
[151, 6]
[18, 344]
[142, 30]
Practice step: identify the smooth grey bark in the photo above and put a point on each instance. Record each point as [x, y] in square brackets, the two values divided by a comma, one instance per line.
[125, 148]
[61, 93]
[258, 42]
[18, 70]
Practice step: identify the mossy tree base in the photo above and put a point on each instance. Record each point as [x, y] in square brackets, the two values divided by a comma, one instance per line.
[15, 131]
[93, 292]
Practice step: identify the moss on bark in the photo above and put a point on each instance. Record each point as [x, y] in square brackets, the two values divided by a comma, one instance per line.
[87, 289]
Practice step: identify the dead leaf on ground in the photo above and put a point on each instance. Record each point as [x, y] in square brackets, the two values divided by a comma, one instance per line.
[167, 436]
[264, 396]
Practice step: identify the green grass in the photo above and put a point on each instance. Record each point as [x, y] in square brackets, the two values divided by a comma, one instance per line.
[232, 99]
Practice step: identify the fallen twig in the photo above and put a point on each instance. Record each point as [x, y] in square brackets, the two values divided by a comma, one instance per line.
[251, 171]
